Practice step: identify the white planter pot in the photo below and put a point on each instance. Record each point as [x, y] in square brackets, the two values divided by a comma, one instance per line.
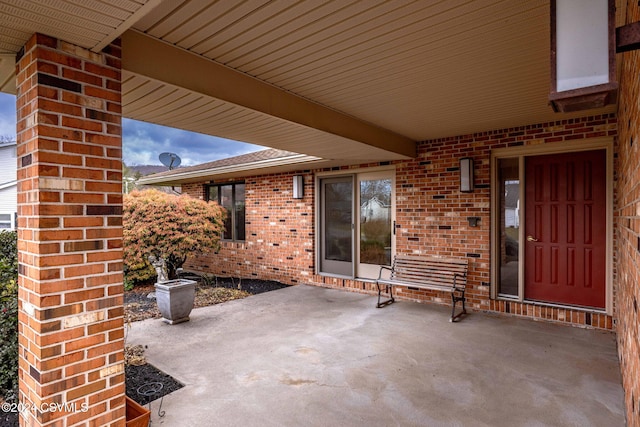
[175, 299]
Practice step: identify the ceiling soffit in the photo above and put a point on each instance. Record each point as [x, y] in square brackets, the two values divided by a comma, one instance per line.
[379, 72]
[91, 24]
[419, 69]
[225, 89]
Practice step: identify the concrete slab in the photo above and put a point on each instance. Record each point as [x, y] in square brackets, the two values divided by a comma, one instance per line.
[310, 356]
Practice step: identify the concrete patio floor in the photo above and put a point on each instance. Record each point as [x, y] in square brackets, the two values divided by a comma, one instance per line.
[310, 356]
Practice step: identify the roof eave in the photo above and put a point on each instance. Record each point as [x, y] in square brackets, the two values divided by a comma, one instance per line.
[180, 176]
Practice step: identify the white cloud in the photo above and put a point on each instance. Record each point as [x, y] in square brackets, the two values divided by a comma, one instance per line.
[144, 142]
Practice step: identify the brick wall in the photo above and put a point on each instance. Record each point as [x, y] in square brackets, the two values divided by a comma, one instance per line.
[70, 233]
[431, 214]
[628, 228]
[279, 233]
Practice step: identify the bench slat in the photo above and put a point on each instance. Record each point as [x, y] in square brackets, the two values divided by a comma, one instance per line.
[428, 272]
[444, 275]
[422, 285]
[440, 274]
[430, 279]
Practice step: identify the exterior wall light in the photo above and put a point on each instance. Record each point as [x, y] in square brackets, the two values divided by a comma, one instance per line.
[583, 48]
[298, 186]
[466, 175]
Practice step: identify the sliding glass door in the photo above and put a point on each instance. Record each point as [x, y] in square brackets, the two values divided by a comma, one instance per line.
[356, 216]
[375, 222]
[336, 228]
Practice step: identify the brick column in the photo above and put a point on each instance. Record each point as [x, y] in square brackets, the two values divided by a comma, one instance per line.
[627, 279]
[71, 333]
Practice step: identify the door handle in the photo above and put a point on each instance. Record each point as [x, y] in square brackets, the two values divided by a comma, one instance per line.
[531, 239]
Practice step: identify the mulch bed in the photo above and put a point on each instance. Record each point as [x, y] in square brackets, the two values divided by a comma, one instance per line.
[146, 383]
[8, 419]
[139, 306]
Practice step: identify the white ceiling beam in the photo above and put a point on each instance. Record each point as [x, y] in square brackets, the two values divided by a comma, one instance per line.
[153, 58]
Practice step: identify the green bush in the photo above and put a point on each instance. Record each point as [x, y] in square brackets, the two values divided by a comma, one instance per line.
[8, 314]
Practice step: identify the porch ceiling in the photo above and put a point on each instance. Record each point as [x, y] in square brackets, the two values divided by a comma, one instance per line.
[368, 77]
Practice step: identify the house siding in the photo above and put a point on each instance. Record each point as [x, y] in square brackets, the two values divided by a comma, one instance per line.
[7, 163]
[628, 228]
[431, 216]
[7, 204]
[8, 192]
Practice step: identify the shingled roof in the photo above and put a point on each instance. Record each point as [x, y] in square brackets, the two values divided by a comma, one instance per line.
[262, 159]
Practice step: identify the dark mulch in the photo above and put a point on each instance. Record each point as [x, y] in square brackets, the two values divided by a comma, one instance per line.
[138, 306]
[143, 381]
[9, 419]
[253, 286]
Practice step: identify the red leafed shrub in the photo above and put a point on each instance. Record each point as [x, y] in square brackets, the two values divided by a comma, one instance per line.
[167, 226]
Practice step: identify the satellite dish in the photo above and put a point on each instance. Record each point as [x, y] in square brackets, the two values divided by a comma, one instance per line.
[171, 160]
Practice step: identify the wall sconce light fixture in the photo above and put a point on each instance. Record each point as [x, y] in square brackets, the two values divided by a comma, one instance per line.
[466, 175]
[298, 186]
[583, 48]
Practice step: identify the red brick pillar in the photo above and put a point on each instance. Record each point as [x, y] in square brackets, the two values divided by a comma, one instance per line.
[71, 334]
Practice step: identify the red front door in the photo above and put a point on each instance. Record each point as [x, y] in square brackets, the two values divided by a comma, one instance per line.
[566, 228]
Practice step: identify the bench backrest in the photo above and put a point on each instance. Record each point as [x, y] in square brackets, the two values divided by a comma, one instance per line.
[430, 271]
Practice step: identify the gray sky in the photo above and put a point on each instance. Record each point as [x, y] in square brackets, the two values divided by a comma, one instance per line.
[142, 142]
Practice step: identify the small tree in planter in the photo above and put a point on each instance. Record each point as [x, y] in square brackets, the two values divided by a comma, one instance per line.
[167, 227]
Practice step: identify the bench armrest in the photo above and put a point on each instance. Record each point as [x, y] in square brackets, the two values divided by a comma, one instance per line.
[383, 267]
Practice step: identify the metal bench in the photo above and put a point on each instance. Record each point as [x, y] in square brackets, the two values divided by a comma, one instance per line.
[439, 274]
